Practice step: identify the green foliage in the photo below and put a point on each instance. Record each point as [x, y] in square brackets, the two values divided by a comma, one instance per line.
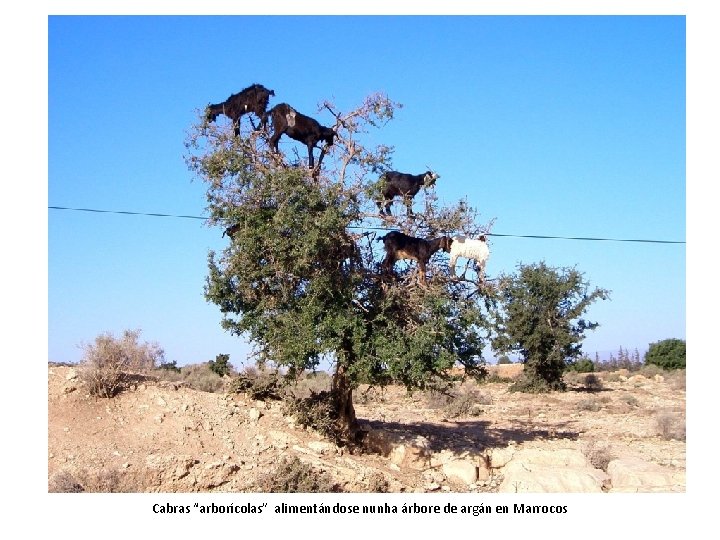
[584, 365]
[221, 364]
[302, 287]
[541, 319]
[108, 362]
[504, 359]
[667, 354]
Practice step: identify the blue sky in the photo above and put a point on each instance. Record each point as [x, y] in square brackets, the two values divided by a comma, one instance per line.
[560, 126]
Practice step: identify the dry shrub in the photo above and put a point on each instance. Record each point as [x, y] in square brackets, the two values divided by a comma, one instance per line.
[650, 370]
[592, 382]
[630, 400]
[101, 481]
[371, 394]
[308, 383]
[611, 376]
[671, 426]
[108, 361]
[591, 405]
[676, 379]
[377, 483]
[200, 377]
[295, 476]
[64, 482]
[317, 411]
[572, 377]
[599, 454]
[464, 402]
[259, 384]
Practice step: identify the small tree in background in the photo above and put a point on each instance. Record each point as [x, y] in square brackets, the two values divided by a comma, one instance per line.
[667, 354]
[221, 364]
[540, 318]
[583, 365]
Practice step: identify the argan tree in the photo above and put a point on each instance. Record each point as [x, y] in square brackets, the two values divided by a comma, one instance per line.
[541, 319]
[300, 277]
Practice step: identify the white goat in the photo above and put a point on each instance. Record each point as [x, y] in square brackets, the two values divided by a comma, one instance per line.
[475, 249]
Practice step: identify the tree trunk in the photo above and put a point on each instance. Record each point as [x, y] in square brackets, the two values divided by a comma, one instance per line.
[342, 395]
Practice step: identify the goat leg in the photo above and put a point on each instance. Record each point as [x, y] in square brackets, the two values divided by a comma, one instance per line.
[311, 159]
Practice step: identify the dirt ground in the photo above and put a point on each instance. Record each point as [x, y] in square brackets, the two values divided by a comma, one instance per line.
[163, 437]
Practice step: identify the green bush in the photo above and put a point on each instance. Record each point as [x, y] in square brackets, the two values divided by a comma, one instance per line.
[584, 365]
[221, 364]
[504, 360]
[667, 354]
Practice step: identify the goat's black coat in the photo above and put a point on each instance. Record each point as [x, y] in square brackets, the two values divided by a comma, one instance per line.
[401, 246]
[404, 185]
[297, 126]
[252, 99]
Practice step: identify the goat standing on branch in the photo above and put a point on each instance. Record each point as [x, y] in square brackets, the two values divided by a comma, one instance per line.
[402, 246]
[297, 126]
[253, 99]
[395, 183]
[472, 249]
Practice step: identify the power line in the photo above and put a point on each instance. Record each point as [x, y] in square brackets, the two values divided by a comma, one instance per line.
[123, 212]
[532, 236]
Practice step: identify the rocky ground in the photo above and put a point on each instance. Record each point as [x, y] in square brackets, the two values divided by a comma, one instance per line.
[616, 432]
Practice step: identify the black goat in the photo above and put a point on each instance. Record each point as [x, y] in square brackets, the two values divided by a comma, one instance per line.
[405, 185]
[253, 99]
[231, 230]
[402, 246]
[297, 126]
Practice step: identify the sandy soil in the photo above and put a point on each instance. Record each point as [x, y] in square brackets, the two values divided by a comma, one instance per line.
[163, 437]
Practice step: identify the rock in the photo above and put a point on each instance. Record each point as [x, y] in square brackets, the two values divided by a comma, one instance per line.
[557, 457]
[561, 470]
[462, 470]
[322, 448]
[412, 455]
[639, 476]
[499, 457]
[254, 414]
[533, 478]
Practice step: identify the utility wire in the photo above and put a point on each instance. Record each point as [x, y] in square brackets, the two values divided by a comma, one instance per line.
[534, 236]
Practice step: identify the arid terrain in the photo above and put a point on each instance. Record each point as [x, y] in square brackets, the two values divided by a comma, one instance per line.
[612, 432]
